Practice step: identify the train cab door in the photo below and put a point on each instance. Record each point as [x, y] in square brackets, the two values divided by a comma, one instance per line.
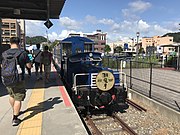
[66, 51]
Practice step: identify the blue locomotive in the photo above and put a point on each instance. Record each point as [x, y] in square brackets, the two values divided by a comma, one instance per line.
[91, 85]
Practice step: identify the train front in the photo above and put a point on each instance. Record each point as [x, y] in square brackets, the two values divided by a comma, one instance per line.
[95, 86]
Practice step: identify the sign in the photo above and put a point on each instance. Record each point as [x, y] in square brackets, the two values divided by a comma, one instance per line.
[105, 80]
[48, 24]
[125, 46]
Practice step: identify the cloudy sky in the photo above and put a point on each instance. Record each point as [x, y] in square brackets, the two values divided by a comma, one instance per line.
[118, 18]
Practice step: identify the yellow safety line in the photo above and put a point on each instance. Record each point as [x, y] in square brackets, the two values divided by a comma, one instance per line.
[33, 117]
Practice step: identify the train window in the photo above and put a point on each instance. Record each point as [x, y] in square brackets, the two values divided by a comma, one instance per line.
[67, 49]
[78, 50]
[87, 47]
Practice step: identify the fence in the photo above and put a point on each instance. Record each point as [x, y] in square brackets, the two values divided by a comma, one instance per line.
[152, 80]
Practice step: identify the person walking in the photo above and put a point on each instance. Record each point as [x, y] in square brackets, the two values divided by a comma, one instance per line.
[16, 90]
[30, 56]
[37, 61]
[46, 58]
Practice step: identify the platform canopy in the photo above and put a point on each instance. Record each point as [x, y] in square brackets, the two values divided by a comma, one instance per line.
[31, 9]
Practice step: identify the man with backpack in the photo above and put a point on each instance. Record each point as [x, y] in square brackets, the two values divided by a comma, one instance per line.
[13, 66]
[46, 58]
[37, 61]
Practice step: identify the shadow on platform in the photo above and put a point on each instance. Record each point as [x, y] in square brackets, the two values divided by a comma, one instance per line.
[41, 107]
[33, 83]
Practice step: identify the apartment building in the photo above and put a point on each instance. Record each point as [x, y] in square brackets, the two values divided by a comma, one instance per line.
[157, 41]
[11, 28]
[100, 40]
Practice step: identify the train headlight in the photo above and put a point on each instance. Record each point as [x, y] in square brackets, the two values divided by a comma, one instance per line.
[90, 55]
[105, 80]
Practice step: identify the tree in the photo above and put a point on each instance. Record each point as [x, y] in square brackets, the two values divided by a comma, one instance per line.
[141, 50]
[176, 36]
[118, 49]
[52, 45]
[107, 49]
[35, 40]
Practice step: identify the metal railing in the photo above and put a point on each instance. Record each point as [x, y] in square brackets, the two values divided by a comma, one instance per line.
[155, 82]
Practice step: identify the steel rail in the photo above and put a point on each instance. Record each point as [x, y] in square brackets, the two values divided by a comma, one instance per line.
[140, 108]
[124, 125]
[91, 123]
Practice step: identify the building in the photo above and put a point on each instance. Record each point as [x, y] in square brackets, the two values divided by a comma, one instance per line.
[128, 45]
[22, 32]
[11, 28]
[74, 35]
[100, 40]
[113, 45]
[157, 42]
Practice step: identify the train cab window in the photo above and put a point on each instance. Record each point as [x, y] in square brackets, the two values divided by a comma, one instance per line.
[88, 47]
[67, 49]
[78, 50]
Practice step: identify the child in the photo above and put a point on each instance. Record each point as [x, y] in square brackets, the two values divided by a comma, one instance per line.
[30, 56]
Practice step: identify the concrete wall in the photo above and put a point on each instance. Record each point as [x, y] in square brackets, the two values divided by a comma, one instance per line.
[164, 110]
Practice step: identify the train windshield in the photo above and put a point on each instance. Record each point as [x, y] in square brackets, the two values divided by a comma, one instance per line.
[88, 47]
[66, 49]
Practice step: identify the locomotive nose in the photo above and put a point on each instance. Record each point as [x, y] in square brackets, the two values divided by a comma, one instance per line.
[105, 98]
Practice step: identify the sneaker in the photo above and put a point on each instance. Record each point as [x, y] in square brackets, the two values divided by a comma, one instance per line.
[16, 122]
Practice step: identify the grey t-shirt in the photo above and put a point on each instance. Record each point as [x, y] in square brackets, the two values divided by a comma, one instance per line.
[37, 55]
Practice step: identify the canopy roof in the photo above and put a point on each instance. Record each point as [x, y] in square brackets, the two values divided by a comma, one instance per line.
[31, 9]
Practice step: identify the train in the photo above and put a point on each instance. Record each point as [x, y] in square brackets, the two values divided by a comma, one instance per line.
[90, 85]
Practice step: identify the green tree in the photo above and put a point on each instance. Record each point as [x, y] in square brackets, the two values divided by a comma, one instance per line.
[176, 36]
[141, 50]
[107, 49]
[118, 49]
[35, 40]
[53, 44]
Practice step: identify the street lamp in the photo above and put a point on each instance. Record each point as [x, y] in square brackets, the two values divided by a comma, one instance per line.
[137, 47]
[132, 39]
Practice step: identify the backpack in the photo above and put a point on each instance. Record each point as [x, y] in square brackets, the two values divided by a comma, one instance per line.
[10, 69]
[46, 59]
[37, 58]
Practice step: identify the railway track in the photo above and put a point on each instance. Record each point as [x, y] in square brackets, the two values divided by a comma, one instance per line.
[109, 125]
[112, 124]
[142, 122]
[138, 107]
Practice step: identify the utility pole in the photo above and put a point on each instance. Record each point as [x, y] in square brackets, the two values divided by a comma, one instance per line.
[178, 56]
[137, 46]
[47, 36]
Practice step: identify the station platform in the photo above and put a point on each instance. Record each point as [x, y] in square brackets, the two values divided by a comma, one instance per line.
[47, 110]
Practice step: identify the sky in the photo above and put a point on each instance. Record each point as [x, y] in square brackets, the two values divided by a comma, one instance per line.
[120, 19]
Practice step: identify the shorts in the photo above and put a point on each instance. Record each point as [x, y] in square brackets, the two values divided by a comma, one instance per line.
[18, 91]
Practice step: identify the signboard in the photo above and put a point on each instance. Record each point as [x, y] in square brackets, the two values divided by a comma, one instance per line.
[105, 80]
[125, 46]
[48, 24]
